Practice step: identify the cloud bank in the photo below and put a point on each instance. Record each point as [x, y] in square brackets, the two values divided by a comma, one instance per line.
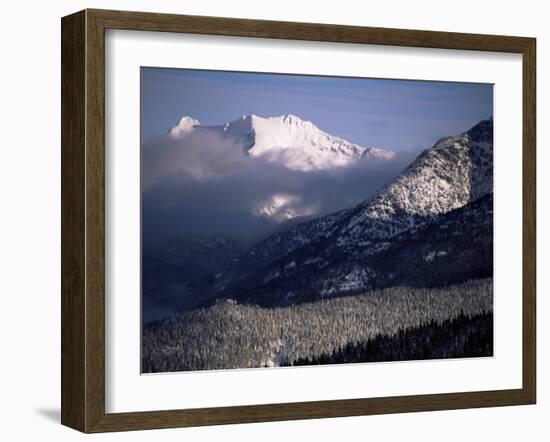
[205, 184]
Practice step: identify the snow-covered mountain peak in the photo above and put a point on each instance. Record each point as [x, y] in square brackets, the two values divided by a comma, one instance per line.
[185, 125]
[287, 140]
[300, 145]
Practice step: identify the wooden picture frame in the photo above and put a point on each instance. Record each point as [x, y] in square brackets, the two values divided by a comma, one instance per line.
[83, 220]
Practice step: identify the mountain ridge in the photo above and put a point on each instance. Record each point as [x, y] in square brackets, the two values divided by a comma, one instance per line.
[455, 172]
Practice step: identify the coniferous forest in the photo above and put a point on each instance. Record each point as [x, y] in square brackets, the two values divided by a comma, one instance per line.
[462, 337]
[382, 325]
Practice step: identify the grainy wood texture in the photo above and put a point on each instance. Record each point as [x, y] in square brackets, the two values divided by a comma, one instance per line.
[529, 220]
[73, 349]
[83, 220]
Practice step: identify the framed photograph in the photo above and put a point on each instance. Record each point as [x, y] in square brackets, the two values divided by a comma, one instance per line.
[267, 221]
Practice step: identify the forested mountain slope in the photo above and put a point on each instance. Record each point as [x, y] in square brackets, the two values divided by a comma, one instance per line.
[437, 214]
[233, 335]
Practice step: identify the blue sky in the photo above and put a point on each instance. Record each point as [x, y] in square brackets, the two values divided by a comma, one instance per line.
[399, 115]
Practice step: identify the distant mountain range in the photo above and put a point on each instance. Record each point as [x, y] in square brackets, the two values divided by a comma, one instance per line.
[430, 226]
[287, 140]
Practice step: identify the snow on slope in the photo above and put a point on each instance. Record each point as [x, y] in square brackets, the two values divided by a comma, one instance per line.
[287, 140]
[453, 173]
